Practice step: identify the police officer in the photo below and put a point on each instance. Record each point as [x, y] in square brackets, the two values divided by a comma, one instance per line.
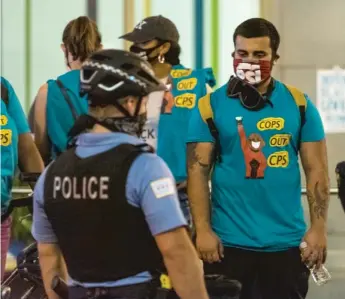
[109, 205]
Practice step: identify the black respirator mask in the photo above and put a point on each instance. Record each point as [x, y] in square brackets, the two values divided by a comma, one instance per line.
[145, 53]
[249, 96]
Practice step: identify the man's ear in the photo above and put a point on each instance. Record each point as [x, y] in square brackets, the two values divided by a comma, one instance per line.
[276, 58]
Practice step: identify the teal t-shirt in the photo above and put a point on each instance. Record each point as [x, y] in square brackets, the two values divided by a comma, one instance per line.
[188, 86]
[59, 116]
[13, 123]
[256, 189]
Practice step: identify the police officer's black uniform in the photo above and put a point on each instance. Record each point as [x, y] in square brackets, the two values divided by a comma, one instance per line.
[112, 229]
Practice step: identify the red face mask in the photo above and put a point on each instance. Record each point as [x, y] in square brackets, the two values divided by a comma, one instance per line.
[253, 73]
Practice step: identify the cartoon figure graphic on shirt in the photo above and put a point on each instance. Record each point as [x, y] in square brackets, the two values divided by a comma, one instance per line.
[252, 150]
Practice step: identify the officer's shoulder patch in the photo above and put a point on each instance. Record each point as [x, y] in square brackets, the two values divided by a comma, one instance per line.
[163, 187]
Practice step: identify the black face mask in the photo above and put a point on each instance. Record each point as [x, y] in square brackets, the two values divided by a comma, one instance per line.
[145, 53]
[129, 125]
[249, 96]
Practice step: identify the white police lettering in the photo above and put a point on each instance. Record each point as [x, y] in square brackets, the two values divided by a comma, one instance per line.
[154, 107]
[140, 25]
[149, 134]
[163, 187]
[84, 188]
[249, 72]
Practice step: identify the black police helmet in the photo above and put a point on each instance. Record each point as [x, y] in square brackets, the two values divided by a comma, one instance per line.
[110, 75]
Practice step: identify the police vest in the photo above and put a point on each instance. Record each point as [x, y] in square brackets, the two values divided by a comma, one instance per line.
[102, 237]
[188, 86]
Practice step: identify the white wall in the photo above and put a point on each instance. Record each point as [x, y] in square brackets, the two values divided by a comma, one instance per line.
[13, 38]
[232, 13]
[49, 17]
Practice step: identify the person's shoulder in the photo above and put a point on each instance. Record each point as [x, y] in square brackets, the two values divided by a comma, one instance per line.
[42, 93]
[219, 93]
[283, 87]
[44, 88]
[150, 161]
[5, 82]
[73, 74]
[71, 81]
[149, 167]
[150, 170]
[208, 74]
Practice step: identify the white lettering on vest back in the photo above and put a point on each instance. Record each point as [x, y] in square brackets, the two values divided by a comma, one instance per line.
[95, 188]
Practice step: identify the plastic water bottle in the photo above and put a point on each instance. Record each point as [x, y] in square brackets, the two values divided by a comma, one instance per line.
[320, 276]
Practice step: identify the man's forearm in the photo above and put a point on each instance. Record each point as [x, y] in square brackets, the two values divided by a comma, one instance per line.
[318, 199]
[199, 199]
[198, 188]
[29, 157]
[51, 265]
[185, 271]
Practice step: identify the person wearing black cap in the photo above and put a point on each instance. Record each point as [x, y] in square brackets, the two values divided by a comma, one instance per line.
[156, 39]
[108, 204]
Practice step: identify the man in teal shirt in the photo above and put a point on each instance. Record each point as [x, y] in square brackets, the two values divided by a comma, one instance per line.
[257, 222]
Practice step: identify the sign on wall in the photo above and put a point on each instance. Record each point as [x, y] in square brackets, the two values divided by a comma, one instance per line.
[331, 99]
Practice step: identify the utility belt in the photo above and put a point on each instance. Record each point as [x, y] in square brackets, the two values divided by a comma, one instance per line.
[157, 288]
[138, 291]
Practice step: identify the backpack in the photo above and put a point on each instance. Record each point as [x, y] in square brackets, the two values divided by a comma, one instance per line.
[206, 113]
[31, 117]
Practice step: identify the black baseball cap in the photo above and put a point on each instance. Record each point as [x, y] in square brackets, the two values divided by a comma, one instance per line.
[151, 28]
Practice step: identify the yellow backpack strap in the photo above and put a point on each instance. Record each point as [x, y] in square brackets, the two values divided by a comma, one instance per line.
[205, 107]
[301, 103]
[298, 96]
[206, 113]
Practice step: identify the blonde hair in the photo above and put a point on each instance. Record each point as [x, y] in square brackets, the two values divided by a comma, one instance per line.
[81, 38]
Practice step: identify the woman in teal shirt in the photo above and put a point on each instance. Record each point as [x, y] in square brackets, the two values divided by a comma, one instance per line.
[156, 39]
[56, 107]
[17, 149]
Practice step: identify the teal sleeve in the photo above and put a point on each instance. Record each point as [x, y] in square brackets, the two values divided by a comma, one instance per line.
[210, 78]
[15, 109]
[198, 130]
[312, 130]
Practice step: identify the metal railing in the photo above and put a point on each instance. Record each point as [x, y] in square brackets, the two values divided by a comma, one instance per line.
[333, 191]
